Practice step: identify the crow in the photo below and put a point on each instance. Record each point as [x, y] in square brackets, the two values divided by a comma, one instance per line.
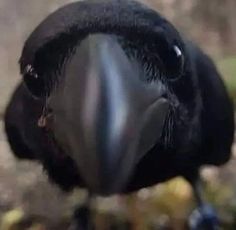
[114, 99]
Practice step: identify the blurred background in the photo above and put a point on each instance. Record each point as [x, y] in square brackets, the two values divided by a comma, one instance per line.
[29, 201]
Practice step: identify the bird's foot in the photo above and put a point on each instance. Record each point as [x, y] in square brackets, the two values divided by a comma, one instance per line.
[82, 218]
[204, 218]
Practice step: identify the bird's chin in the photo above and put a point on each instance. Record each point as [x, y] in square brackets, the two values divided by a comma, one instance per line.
[106, 181]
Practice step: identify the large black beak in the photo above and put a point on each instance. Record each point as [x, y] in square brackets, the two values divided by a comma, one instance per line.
[105, 116]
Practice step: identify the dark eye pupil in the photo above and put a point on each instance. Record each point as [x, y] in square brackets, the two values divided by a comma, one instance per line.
[177, 63]
[34, 83]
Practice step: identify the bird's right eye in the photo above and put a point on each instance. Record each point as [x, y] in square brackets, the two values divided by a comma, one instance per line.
[34, 82]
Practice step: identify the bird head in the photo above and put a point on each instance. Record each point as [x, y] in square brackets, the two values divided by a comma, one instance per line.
[103, 70]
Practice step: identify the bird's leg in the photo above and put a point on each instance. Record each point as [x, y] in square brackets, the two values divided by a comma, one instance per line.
[204, 217]
[82, 217]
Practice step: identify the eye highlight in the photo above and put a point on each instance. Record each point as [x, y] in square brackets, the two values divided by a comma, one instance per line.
[30, 71]
[177, 51]
[33, 81]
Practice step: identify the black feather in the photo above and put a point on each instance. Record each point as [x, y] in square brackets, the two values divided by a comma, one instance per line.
[199, 127]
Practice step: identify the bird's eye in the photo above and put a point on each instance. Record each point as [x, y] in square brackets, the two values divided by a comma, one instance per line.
[180, 58]
[34, 82]
[177, 63]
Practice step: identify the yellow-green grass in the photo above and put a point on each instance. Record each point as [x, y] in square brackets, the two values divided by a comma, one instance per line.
[227, 67]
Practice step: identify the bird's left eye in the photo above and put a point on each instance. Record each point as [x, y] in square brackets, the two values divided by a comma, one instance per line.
[176, 66]
[34, 82]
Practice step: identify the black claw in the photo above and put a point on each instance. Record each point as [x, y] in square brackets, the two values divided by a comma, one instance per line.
[204, 218]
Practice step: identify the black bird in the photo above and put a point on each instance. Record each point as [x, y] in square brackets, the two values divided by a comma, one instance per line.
[114, 99]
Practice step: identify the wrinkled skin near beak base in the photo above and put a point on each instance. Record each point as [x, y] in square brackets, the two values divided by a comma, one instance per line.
[105, 117]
